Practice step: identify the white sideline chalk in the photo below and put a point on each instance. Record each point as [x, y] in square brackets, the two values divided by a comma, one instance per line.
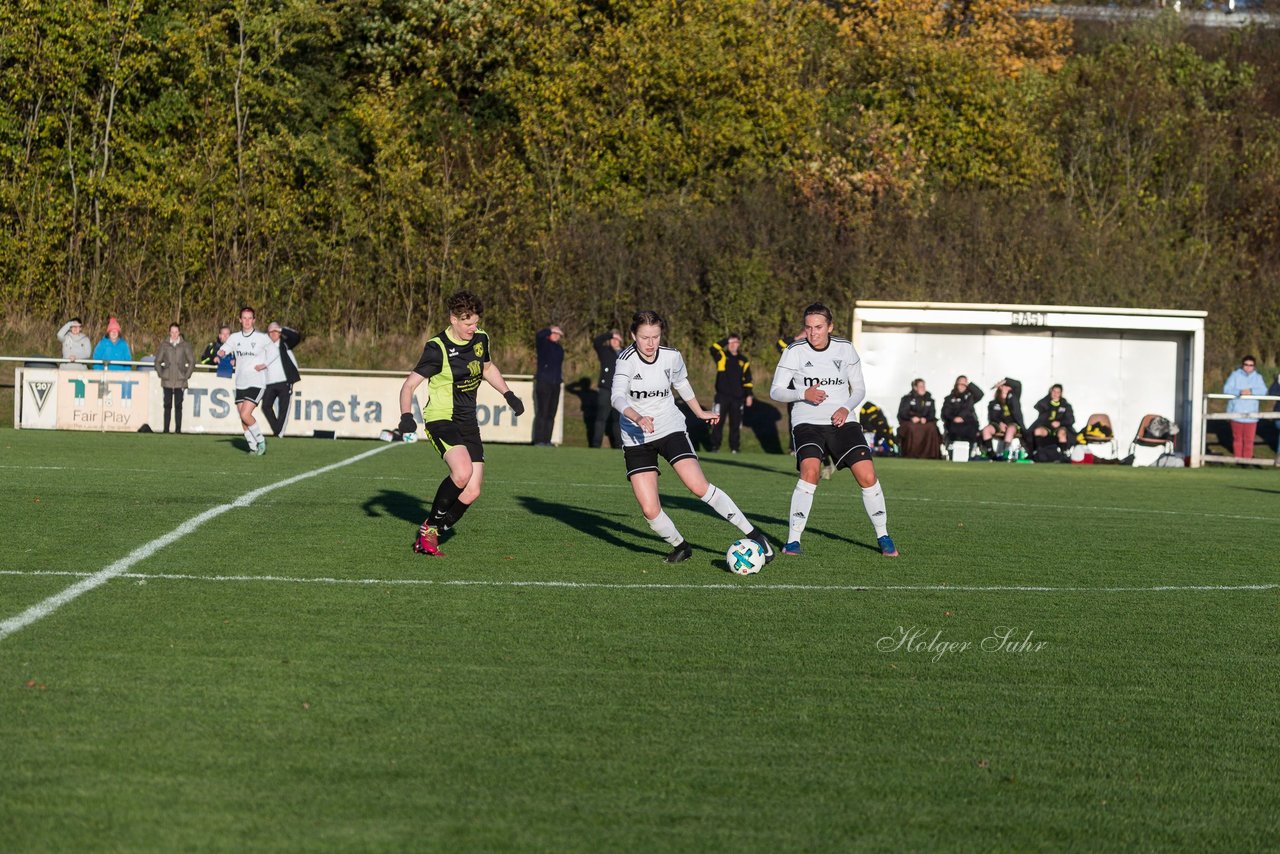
[658, 585]
[43, 609]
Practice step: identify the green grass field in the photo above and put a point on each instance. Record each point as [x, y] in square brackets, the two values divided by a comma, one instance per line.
[287, 675]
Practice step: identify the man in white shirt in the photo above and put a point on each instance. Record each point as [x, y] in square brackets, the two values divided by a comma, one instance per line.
[825, 375]
[252, 352]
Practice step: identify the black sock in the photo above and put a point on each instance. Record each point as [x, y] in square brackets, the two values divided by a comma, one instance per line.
[454, 513]
[446, 496]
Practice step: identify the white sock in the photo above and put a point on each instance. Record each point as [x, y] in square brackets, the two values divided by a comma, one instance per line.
[665, 528]
[723, 504]
[873, 502]
[257, 433]
[248, 437]
[801, 504]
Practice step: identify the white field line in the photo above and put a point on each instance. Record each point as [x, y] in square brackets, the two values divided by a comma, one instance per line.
[604, 585]
[43, 609]
[1195, 513]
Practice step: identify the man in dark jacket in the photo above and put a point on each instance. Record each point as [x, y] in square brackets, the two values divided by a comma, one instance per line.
[281, 374]
[1055, 422]
[733, 390]
[917, 424]
[607, 345]
[546, 383]
[960, 412]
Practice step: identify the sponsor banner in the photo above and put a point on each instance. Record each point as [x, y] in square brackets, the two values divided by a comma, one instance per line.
[39, 390]
[350, 407]
[103, 400]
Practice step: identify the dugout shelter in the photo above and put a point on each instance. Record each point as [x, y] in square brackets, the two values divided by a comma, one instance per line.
[1121, 361]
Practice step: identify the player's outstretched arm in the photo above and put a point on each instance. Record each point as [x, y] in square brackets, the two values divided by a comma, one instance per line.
[784, 389]
[411, 384]
[494, 377]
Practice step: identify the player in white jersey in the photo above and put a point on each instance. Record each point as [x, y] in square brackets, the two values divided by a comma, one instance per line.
[825, 375]
[653, 426]
[253, 353]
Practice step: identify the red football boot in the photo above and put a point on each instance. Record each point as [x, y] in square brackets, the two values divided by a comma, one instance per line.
[428, 543]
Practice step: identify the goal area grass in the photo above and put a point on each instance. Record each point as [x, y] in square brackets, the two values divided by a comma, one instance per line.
[203, 649]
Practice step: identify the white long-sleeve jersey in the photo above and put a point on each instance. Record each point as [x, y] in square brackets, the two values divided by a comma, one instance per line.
[250, 351]
[837, 370]
[646, 388]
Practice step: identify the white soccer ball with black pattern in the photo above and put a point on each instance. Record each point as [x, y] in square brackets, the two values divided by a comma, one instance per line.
[745, 557]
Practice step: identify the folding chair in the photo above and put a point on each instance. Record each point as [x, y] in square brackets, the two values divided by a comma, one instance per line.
[1098, 436]
[1146, 449]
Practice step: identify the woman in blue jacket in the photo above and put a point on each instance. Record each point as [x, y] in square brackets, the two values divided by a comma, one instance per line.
[1244, 382]
[113, 349]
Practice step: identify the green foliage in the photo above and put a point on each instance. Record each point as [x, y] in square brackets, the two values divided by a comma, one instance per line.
[347, 163]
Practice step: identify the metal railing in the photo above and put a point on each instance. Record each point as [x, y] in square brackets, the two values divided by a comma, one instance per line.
[51, 361]
[1206, 416]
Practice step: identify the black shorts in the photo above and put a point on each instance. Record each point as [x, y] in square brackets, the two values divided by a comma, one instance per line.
[845, 445]
[253, 395]
[671, 447]
[448, 434]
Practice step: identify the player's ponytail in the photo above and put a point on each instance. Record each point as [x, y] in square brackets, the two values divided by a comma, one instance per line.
[647, 318]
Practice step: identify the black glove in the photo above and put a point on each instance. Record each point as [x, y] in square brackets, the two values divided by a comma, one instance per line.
[517, 405]
[407, 424]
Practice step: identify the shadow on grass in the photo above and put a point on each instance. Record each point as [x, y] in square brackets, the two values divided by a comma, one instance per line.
[1257, 489]
[401, 505]
[721, 458]
[237, 442]
[600, 526]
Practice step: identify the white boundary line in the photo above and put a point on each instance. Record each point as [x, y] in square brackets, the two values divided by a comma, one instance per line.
[605, 585]
[43, 609]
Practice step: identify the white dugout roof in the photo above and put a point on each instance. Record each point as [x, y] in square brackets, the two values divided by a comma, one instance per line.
[1123, 362]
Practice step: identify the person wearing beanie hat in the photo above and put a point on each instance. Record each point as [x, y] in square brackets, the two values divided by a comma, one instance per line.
[76, 346]
[113, 348]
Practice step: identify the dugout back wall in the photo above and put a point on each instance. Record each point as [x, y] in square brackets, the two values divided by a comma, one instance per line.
[1124, 362]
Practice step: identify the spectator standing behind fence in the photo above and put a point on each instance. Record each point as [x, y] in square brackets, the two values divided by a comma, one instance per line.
[1055, 422]
[607, 345]
[546, 383]
[960, 412]
[76, 346]
[917, 424]
[782, 345]
[1244, 382]
[1004, 414]
[113, 348]
[224, 365]
[282, 373]
[733, 390]
[175, 360]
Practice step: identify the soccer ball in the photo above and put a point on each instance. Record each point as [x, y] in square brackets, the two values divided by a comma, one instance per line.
[745, 557]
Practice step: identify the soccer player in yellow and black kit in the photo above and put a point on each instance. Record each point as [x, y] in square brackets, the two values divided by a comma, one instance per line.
[453, 363]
